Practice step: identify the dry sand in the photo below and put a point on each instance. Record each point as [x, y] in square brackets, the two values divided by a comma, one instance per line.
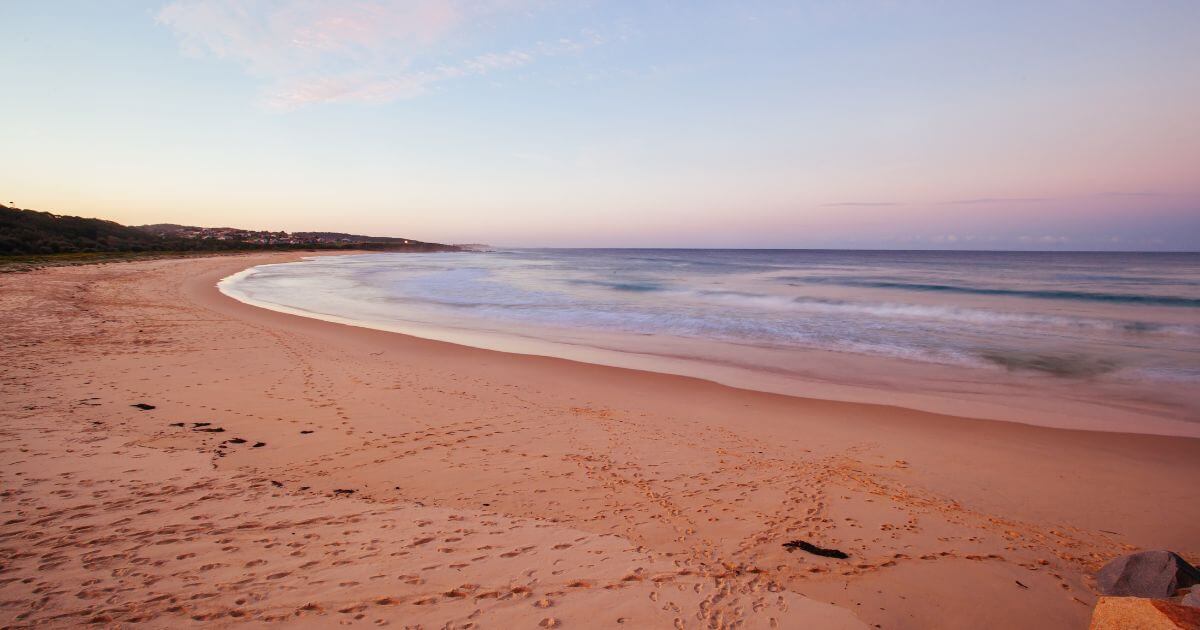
[407, 482]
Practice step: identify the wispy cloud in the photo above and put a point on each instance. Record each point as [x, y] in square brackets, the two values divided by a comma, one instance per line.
[381, 87]
[992, 200]
[977, 201]
[368, 51]
[1143, 193]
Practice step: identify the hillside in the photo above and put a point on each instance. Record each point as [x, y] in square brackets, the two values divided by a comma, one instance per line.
[29, 232]
[33, 232]
[169, 229]
[280, 238]
[354, 238]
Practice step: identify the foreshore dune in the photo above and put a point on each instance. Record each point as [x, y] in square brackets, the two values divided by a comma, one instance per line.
[296, 471]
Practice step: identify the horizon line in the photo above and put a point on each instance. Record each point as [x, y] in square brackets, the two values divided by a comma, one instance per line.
[865, 249]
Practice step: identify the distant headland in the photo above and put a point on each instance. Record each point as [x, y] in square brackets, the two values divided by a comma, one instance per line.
[34, 233]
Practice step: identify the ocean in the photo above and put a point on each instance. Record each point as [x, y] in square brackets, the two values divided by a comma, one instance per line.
[1082, 340]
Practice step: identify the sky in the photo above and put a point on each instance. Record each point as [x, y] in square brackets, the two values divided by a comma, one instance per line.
[896, 124]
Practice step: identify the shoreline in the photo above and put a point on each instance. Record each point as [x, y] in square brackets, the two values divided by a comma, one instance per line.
[548, 488]
[1043, 411]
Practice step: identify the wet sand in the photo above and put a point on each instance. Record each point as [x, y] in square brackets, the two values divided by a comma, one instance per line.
[308, 472]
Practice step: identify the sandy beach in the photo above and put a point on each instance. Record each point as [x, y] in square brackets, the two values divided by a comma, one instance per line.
[299, 472]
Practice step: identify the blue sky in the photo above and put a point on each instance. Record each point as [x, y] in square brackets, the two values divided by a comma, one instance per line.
[1045, 125]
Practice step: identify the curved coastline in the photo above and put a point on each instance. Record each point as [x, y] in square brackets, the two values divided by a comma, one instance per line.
[271, 433]
[1087, 417]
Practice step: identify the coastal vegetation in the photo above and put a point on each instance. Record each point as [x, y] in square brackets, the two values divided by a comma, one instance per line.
[31, 236]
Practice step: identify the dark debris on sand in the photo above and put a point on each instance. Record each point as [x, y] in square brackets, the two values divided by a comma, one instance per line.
[815, 550]
[143, 406]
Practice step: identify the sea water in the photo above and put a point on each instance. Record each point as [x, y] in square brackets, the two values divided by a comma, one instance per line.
[1087, 340]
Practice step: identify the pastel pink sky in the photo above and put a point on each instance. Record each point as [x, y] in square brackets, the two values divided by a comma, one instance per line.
[526, 122]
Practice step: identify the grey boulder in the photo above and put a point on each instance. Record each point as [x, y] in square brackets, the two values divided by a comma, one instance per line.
[1147, 574]
[1192, 598]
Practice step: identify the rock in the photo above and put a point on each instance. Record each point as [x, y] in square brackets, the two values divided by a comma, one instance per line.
[143, 406]
[1192, 598]
[1133, 613]
[1147, 574]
